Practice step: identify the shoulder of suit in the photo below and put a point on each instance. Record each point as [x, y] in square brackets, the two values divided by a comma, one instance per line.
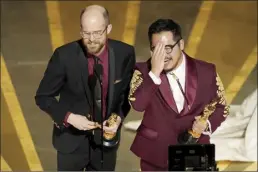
[67, 50]
[119, 44]
[68, 46]
[74, 44]
[204, 64]
[143, 67]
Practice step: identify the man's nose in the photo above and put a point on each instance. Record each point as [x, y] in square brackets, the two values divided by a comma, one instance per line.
[91, 38]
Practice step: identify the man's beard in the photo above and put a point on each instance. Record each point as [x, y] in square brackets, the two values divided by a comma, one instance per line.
[170, 67]
[94, 48]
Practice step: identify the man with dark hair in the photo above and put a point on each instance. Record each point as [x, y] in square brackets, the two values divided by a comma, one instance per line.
[92, 77]
[172, 89]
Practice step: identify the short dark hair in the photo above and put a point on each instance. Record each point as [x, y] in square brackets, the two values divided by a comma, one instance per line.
[105, 15]
[161, 25]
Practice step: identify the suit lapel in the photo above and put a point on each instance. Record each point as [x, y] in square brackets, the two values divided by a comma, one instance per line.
[166, 92]
[190, 83]
[83, 64]
[111, 76]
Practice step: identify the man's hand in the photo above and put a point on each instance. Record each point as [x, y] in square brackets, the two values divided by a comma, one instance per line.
[199, 126]
[112, 129]
[157, 59]
[80, 122]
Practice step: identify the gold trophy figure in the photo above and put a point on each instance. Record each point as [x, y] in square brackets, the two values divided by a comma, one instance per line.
[191, 136]
[110, 139]
[110, 122]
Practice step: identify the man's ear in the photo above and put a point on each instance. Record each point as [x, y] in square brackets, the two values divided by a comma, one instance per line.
[109, 28]
[182, 44]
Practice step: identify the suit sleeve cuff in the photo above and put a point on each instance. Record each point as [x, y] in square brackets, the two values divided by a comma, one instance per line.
[208, 130]
[155, 79]
[65, 123]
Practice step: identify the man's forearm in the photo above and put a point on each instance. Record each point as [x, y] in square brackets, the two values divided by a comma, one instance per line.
[52, 107]
[141, 90]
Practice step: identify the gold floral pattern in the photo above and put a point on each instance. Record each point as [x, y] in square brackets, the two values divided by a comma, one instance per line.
[135, 83]
[220, 91]
[226, 111]
[222, 96]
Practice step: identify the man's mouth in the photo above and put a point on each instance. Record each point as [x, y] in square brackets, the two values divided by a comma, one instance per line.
[167, 60]
[92, 46]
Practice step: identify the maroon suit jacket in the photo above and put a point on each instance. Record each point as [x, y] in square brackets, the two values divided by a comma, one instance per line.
[162, 123]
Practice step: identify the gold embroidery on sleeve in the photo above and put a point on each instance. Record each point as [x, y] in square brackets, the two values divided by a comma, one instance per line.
[135, 83]
[222, 96]
[226, 111]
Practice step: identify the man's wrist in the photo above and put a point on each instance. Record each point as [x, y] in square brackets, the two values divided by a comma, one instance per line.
[69, 118]
[65, 122]
[157, 74]
[154, 78]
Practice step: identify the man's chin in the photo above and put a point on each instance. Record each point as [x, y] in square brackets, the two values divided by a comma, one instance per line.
[93, 51]
[168, 68]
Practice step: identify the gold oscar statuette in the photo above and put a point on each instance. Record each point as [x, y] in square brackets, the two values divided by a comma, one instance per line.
[110, 122]
[110, 139]
[190, 136]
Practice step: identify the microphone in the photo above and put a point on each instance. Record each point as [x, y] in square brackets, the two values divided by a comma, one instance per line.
[99, 72]
[92, 82]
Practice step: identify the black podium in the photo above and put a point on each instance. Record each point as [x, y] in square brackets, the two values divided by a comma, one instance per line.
[192, 157]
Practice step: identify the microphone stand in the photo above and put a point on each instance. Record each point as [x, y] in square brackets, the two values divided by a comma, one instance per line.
[99, 77]
[102, 133]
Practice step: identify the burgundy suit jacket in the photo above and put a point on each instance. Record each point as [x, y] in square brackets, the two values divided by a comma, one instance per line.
[162, 123]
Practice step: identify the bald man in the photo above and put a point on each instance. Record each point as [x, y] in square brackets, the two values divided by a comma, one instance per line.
[92, 77]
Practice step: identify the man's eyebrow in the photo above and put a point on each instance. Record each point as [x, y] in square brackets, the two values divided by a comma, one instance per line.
[92, 31]
[97, 31]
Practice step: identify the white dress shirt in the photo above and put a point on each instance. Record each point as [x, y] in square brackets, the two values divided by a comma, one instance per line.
[180, 73]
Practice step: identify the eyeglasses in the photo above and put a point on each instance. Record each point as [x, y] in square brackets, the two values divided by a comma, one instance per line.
[95, 34]
[168, 48]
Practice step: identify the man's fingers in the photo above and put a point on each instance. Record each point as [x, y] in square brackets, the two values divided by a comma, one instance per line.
[110, 132]
[200, 125]
[91, 123]
[98, 125]
[107, 128]
[110, 129]
[198, 128]
[90, 127]
[197, 117]
[104, 123]
[156, 50]
[81, 128]
[163, 55]
[87, 126]
[161, 49]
